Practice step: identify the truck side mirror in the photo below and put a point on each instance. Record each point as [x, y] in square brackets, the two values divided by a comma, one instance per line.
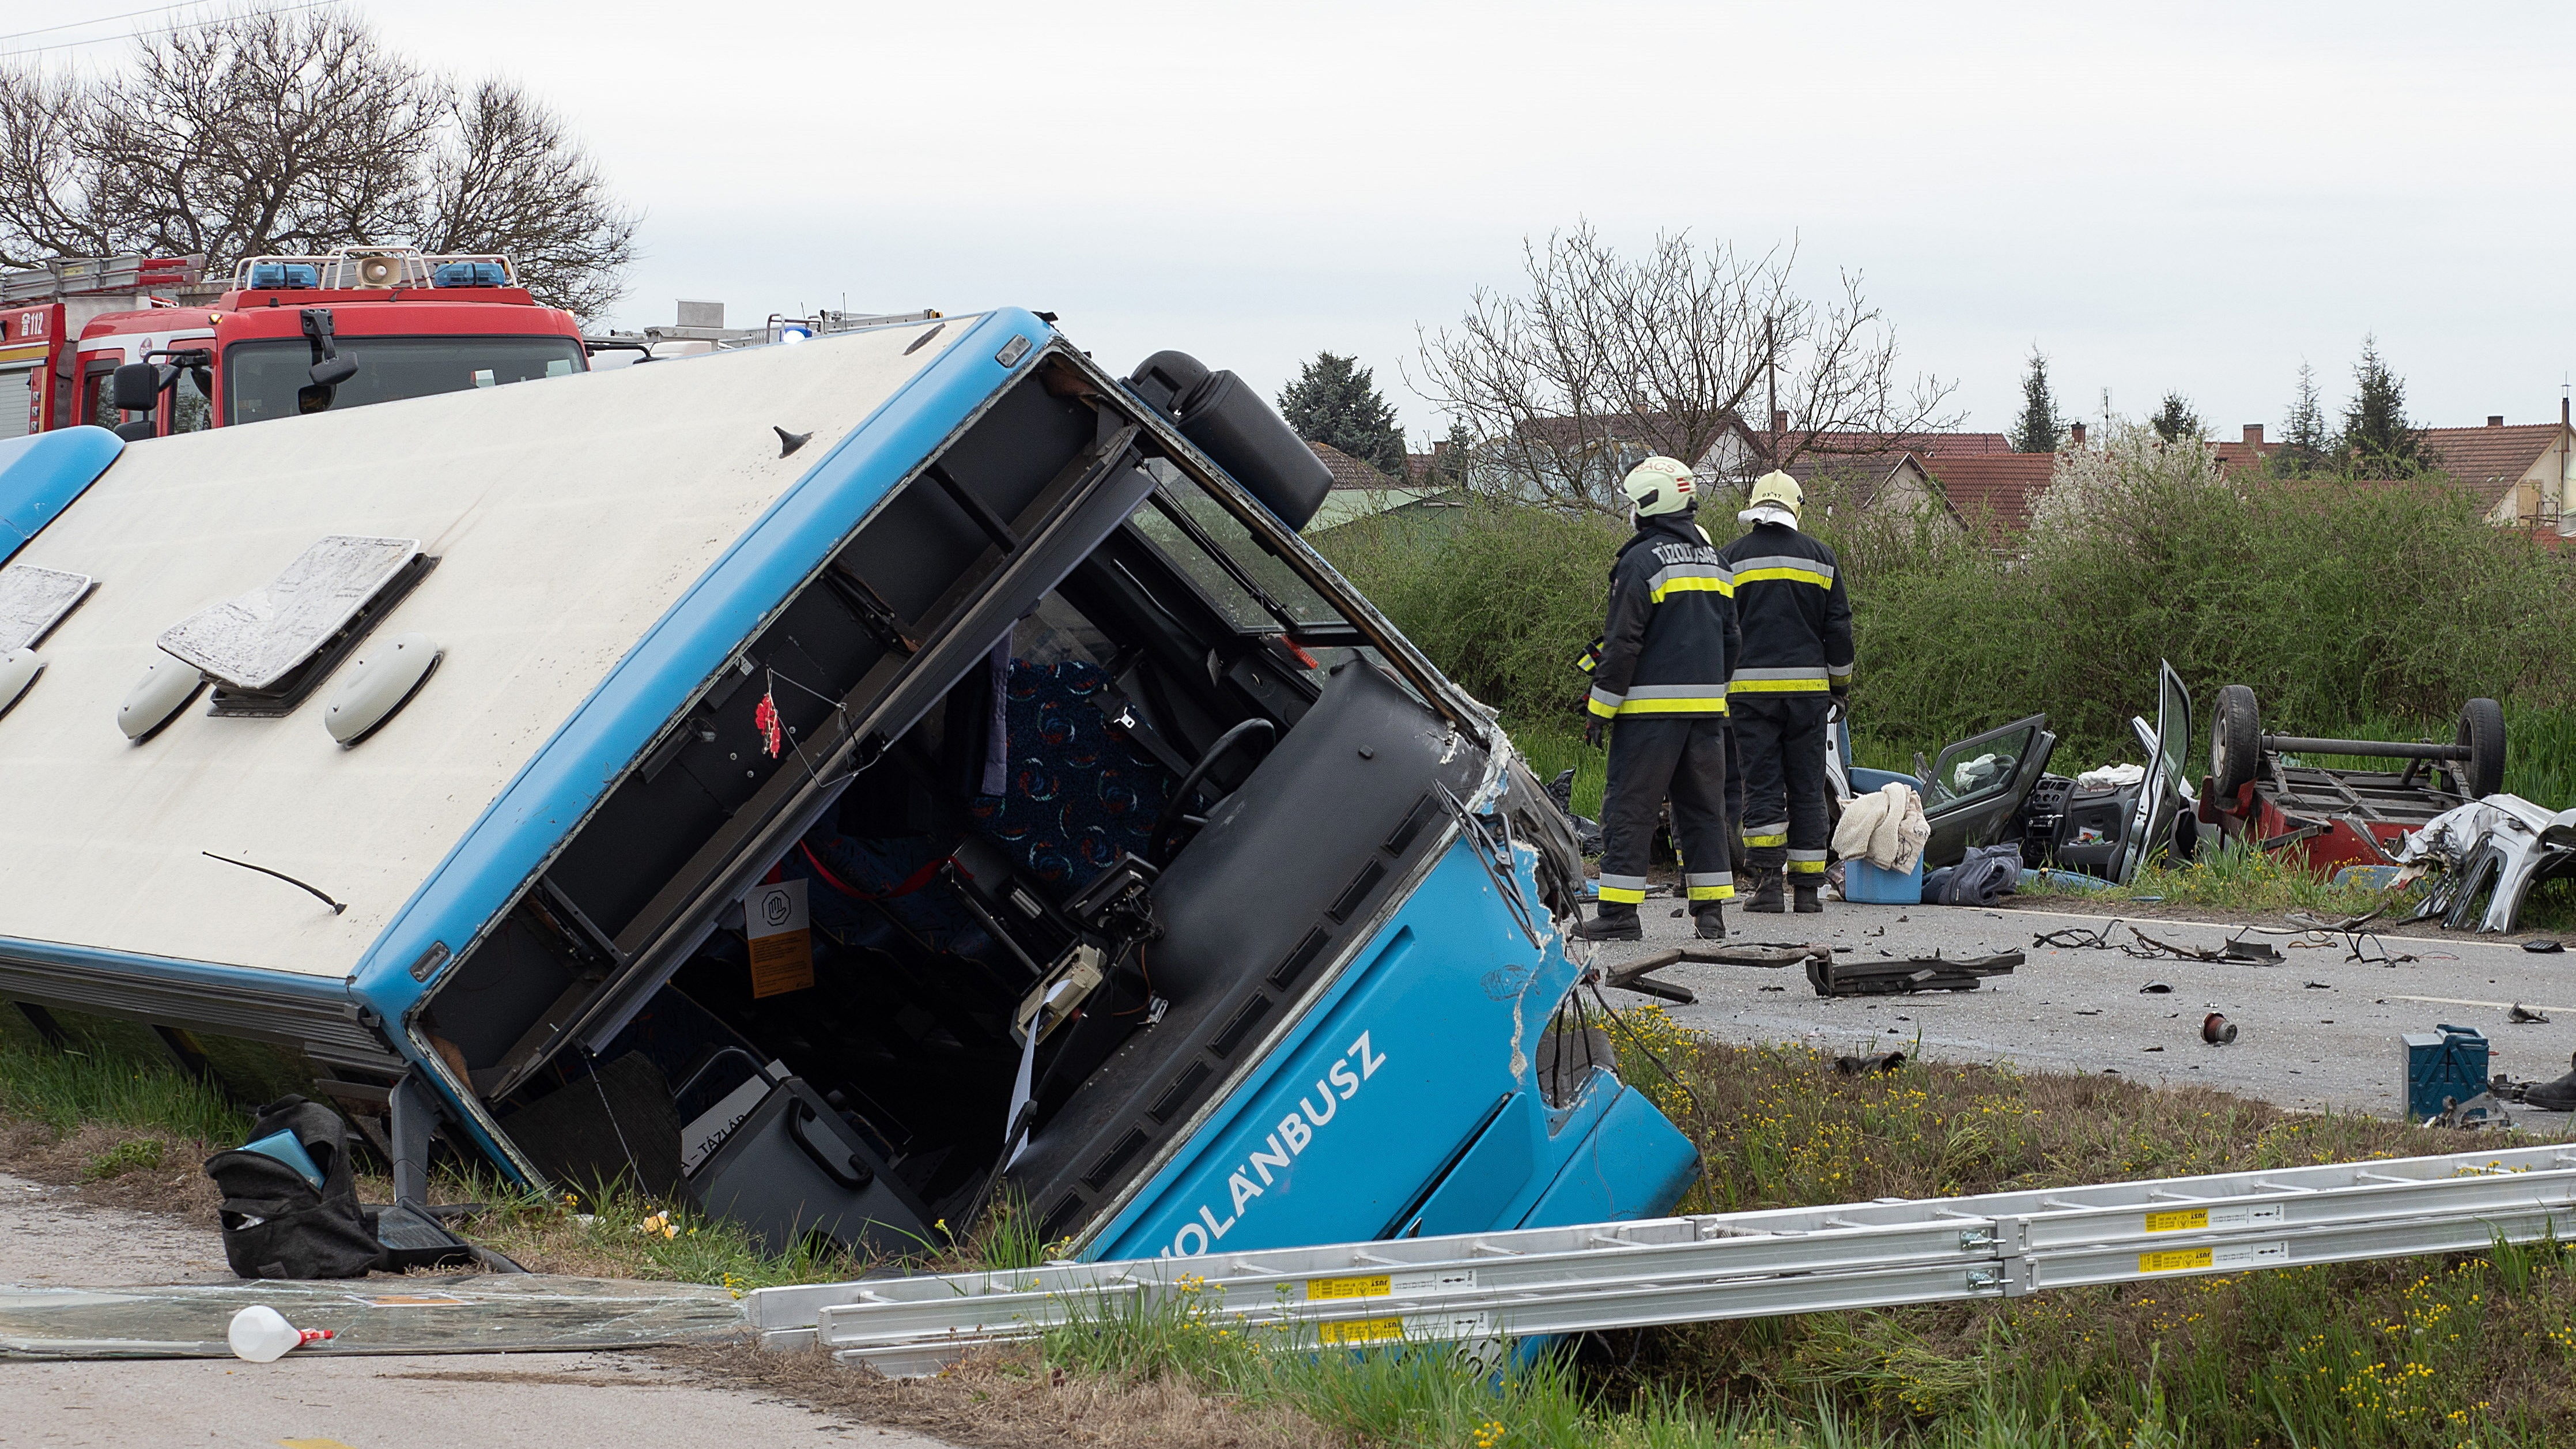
[138, 387]
[334, 370]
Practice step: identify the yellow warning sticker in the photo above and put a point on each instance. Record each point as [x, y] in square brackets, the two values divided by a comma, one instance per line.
[1366, 1330]
[2178, 1220]
[2178, 1260]
[1376, 1285]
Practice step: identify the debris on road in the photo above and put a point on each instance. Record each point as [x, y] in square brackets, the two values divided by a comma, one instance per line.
[2079, 938]
[261, 1334]
[2154, 988]
[2486, 856]
[2235, 950]
[1894, 977]
[2522, 1015]
[1851, 1066]
[2217, 1030]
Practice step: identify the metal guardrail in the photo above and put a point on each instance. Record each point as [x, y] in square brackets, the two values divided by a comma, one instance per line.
[1541, 1281]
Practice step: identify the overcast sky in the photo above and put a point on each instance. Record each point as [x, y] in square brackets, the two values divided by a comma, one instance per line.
[2188, 196]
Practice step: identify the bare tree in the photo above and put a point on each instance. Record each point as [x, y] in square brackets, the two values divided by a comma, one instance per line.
[1682, 352]
[285, 133]
[511, 170]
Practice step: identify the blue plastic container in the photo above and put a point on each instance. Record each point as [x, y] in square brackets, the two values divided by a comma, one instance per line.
[2446, 1064]
[1869, 885]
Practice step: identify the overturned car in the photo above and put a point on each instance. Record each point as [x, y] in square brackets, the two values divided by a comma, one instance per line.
[842, 785]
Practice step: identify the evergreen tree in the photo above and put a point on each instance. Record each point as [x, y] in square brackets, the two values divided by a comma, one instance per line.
[2304, 439]
[1336, 401]
[2176, 419]
[2038, 431]
[2377, 441]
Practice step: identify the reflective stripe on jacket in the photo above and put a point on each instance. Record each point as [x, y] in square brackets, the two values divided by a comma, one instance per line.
[1670, 635]
[1792, 612]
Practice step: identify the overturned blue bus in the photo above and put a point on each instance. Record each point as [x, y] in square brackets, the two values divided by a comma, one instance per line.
[839, 785]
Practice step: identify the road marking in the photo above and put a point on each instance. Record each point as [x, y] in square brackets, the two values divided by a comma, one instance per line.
[2498, 1005]
[313, 1444]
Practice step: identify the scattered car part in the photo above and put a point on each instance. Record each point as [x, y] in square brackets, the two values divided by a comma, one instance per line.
[2155, 988]
[1891, 978]
[2235, 950]
[2543, 948]
[2522, 1015]
[2079, 938]
[2217, 1030]
[2489, 854]
[2266, 790]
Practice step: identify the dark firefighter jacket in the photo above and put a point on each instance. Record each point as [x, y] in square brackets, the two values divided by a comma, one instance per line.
[1671, 630]
[1792, 611]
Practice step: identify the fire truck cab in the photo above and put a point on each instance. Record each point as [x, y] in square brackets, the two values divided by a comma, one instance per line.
[123, 345]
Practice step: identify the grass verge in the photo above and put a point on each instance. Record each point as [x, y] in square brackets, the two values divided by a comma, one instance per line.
[2469, 1349]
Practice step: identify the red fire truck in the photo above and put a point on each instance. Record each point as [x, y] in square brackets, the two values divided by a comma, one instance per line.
[147, 346]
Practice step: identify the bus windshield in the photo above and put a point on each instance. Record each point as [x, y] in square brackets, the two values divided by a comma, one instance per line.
[262, 379]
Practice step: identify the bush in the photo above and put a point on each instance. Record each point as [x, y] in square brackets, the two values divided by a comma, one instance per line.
[2348, 608]
[1502, 597]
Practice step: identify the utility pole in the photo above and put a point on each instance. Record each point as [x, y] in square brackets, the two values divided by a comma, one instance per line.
[1771, 401]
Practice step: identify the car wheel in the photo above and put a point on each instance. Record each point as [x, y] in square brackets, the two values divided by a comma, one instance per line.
[2235, 742]
[2482, 730]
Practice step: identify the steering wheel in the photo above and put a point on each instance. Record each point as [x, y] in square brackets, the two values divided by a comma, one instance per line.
[1175, 813]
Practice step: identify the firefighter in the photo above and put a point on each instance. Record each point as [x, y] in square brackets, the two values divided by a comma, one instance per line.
[1659, 679]
[1792, 676]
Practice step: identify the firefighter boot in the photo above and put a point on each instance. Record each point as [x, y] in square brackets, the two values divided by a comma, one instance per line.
[2554, 1096]
[1710, 917]
[1804, 888]
[1611, 921]
[1766, 894]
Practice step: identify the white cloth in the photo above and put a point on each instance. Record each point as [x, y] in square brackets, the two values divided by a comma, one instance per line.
[1768, 513]
[1887, 828]
[2111, 777]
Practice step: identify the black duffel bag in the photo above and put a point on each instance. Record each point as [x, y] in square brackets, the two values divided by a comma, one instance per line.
[276, 1223]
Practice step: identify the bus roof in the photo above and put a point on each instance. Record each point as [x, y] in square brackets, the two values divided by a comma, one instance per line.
[573, 524]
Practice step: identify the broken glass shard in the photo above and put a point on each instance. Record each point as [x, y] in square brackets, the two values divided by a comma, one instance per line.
[33, 601]
[254, 641]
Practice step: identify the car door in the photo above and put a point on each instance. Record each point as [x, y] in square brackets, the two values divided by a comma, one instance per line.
[1976, 787]
[2151, 825]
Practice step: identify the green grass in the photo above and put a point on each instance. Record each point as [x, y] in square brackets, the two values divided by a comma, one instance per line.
[113, 1073]
[2472, 1349]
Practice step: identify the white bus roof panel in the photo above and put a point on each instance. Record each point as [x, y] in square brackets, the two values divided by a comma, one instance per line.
[566, 516]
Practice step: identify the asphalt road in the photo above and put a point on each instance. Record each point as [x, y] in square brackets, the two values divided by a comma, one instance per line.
[442, 1401]
[2318, 1031]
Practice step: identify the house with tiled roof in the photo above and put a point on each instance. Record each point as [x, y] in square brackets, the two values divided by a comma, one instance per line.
[1996, 494]
[1871, 483]
[1360, 490]
[2523, 472]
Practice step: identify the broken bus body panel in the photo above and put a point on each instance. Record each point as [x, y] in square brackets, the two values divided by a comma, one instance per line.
[1147, 875]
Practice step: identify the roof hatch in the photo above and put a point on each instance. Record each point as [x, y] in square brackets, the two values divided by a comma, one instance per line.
[33, 601]
[268, 648]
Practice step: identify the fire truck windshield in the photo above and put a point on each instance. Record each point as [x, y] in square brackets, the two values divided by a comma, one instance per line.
[261, 379]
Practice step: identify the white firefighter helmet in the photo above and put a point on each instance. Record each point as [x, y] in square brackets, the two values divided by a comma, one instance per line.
[1777, 490]
[1661, 485]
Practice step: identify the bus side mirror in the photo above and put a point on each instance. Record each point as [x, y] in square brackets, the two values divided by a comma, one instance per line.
[138, 387]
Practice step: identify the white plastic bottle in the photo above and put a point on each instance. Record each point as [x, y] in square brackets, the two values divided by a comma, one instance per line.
[261, 1334]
